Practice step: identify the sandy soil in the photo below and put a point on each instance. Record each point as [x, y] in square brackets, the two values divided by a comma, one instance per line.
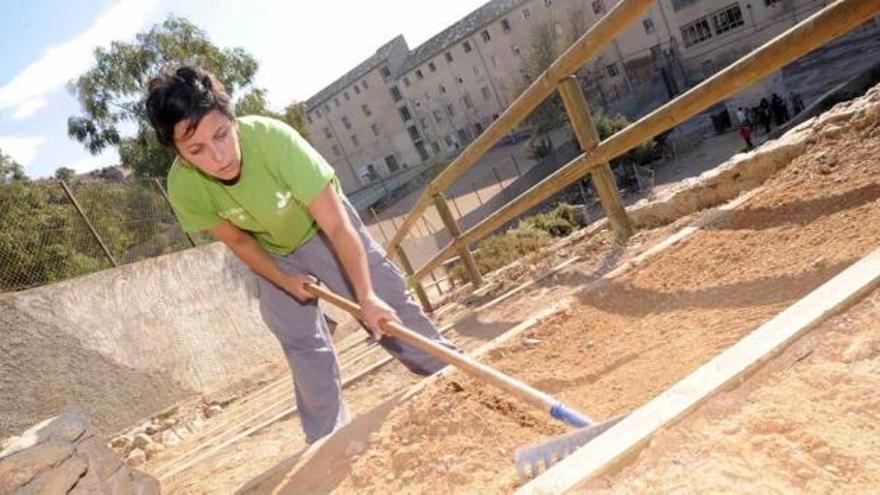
[626, 341]
[809, 423]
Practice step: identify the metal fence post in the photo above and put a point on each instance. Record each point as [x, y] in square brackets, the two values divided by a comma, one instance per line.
[88, 222]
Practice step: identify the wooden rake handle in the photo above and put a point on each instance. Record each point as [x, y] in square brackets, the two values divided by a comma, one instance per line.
[463, 362]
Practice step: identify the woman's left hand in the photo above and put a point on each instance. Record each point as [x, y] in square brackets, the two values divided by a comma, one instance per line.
[374, 310]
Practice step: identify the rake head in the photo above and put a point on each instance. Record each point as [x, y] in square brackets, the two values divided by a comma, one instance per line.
[536, 458]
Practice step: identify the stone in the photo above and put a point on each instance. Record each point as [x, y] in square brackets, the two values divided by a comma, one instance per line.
[530, 342]
[132, 482]
[136, 458]
[123, 443]
[90, 484]
[212, 411]
[65, 427]
[170, 438]
[103, 461]
[152, 449]
[141, 440]
[18, 469]
[152, 429]
[57, 480]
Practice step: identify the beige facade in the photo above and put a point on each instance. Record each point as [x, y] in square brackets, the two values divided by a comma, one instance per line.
[427, 103]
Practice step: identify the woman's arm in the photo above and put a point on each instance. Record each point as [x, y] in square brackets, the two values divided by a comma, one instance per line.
[253, 255]
[328, 211]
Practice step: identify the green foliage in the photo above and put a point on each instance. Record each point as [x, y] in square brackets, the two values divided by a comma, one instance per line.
[64, 173]
[608, 126]
[530, 235]
[10, 170]
[111, 93]
[255, 103]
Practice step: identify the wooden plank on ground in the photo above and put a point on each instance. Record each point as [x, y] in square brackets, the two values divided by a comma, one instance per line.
[624, 439]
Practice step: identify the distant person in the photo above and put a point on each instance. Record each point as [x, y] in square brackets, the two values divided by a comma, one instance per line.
[797, 104]
[741, 116]
[779, 109]
[745, 131]
[261, 189]
[764, 108]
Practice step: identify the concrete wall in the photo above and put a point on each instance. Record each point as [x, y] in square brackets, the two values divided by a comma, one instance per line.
[129, 342]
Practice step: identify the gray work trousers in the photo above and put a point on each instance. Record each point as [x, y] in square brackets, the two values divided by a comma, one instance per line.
[305, 337]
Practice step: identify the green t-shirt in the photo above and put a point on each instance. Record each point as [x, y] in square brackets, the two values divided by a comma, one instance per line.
[280, 175]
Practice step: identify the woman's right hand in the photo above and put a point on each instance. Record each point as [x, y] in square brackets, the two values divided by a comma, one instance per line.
[295, 283]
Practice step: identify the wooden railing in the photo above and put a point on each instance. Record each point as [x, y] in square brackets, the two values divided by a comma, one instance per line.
[834, 20]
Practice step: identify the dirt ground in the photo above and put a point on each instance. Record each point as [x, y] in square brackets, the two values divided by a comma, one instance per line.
[625, 341]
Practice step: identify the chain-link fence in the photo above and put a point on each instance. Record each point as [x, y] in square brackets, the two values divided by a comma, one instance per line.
[53, 230]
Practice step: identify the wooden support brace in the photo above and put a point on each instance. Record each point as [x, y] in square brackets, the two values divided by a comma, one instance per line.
[463, 250]
[420, 291]
[588, 137]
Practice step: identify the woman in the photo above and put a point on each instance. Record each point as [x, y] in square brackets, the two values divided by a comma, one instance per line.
[262, 190]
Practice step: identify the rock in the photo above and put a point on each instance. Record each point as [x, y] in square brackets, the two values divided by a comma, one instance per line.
[132, 482]
[170, 438]
[18, 469]
[136, 458]
[123, 443]
[153, 449]
[141, 440]
[152, 429]
[212, 411]
[58, 479]
[90, 484]
[530, 342]
[103, 461]
[65, 427]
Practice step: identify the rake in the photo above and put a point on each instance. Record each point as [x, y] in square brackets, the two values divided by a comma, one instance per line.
[529, 460]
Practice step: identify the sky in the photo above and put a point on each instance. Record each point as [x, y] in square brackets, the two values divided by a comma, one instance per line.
[300, 46]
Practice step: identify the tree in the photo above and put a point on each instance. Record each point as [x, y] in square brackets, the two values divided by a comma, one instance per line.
[10, 170]
[112, 92]
[544, 48]
[64, 173]
[255, 103]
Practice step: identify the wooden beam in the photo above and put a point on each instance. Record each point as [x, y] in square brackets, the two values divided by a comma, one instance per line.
[582, 50]
[416, 285]
[588, 137]
[624, 439]
[464, 251]
[832, 21]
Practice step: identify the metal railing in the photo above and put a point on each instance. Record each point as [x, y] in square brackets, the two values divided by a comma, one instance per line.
[834, 20]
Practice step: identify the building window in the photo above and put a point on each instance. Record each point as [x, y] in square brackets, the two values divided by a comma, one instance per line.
[423, 153]
[404, 114]
[648, 23]
[413, 132]
[460, 80]
[336, 102]
[485, 35]
[728, 18]
[385, 71]
[486, 93]
[467, 46]
[326, 108]
[345, 95]
[598, 6]
[335, 150]
[435, 147]
[395, 94]
[450, 110]
[696, 32]
[406, 81]
[419, 74]
[438, 117]
[327, 133]
[357, 90]
[516, 50]
[354, 140]
[768, 3]
[345, 122]
[612, 70]
[432, 67]
[468, 103]
[366, 109]
[448, 56]
[364, 84]
[494, 61]
[505, 25]
[375, 129]
[391, 163]
[318, 113]
[548, 3]
[442, 88]
[476, 70]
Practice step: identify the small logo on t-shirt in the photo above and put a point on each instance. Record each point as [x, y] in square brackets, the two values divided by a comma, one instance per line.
[283, 199]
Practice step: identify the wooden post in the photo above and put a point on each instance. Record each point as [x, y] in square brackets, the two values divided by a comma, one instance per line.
[588, 137]
[416, 285]
[463, 250]
[88, 223]
[168, 200]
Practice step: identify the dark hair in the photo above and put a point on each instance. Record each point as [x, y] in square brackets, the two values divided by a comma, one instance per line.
[183, 93]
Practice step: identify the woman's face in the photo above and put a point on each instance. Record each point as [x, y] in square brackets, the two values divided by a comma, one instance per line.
[213, 146]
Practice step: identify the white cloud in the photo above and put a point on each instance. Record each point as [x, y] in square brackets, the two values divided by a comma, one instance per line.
[64, 62]
[21, 149]
[28, 108]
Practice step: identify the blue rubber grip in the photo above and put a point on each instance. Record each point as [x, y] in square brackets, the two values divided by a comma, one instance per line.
[570, 416]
